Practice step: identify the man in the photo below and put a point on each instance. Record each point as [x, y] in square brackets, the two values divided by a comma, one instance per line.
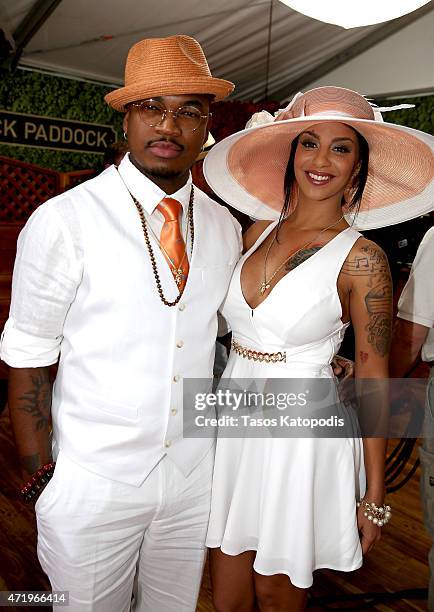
[124, 285]
[414, 338]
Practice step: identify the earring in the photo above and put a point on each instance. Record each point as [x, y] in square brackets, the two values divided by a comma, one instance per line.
[355, 174]
[125, 136]
[349, 193]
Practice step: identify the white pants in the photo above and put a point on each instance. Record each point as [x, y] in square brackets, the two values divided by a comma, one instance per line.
[95, 536]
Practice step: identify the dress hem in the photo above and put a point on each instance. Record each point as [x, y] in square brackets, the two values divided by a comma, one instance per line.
[297, 584]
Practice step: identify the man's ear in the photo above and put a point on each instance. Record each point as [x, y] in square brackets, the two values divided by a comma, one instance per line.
[125, 122]
[206, 146]
[208, 128]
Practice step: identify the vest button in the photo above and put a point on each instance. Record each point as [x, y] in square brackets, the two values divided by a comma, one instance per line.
[176, 378]
[180, 343]
[174, 411]
[167, 443]
[181, 307]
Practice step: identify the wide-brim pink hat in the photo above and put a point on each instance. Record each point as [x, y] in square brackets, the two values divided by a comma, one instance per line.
[167, 67]
[247, 169]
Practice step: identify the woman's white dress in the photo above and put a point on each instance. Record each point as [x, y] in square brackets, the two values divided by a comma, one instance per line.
[293, 500]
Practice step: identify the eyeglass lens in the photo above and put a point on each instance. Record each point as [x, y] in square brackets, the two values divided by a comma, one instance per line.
[153, 113]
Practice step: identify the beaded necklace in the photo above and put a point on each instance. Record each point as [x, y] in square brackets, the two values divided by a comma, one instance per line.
[150, 250]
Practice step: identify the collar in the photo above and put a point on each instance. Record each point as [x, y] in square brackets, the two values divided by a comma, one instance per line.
[148, 193]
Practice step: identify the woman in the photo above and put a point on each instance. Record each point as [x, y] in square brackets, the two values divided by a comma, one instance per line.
[282, 508]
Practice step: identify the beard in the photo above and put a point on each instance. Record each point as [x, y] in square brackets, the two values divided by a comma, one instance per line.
[162, 173]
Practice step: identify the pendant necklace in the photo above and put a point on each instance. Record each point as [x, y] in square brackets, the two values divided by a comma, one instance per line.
[178, 273]
[266, 283]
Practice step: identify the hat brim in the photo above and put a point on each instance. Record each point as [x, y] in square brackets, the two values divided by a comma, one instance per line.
[247, 169]
[218, 88]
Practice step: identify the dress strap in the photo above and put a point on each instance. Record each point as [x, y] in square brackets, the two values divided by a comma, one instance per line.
[340, 249]
[260, 239]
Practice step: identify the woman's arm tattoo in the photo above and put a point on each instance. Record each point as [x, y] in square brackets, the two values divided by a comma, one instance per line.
[372, 263]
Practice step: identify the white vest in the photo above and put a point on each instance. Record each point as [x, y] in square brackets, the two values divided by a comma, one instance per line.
[117, 400]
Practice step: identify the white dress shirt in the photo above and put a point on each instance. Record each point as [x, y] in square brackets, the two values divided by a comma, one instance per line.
[149, 195]
[416, 302]
[84, 292]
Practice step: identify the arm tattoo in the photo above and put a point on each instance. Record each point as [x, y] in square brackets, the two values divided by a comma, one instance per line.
[31, 463]
[363, 356]
[37, 401]
[377, 301]
[300, 257]
[372, 263]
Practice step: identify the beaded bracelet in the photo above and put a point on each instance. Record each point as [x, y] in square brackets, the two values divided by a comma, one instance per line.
[379, 515]
[33, 487]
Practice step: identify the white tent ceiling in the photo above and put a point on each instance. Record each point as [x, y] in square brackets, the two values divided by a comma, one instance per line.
[90, 39]
[401, 64]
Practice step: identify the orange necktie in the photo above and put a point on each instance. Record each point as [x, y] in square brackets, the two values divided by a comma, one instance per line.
[171, 241]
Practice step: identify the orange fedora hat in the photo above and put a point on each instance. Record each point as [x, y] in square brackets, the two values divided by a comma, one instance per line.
[167, 66]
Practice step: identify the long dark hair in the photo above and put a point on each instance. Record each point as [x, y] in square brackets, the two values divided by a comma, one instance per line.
[357, 186]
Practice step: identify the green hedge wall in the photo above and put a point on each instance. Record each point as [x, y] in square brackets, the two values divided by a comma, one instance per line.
[41, 94]
[32, 92]
[421, 117]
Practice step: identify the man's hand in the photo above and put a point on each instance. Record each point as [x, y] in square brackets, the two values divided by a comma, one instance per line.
[342, 368]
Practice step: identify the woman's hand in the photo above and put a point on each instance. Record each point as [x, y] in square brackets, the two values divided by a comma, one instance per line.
[369, 532]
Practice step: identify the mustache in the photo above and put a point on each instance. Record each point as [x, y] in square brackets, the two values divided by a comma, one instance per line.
[169, 140]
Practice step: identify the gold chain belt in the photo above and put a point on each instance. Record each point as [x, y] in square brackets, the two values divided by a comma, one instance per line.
[257, 355]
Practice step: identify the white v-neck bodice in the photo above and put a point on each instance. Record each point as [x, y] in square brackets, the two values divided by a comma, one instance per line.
[302, 313]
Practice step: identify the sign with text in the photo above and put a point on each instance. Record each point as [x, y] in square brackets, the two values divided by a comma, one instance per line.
[52, 133]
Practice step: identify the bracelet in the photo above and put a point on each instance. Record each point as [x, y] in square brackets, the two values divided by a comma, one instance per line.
[379, 515]
[37, 482]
